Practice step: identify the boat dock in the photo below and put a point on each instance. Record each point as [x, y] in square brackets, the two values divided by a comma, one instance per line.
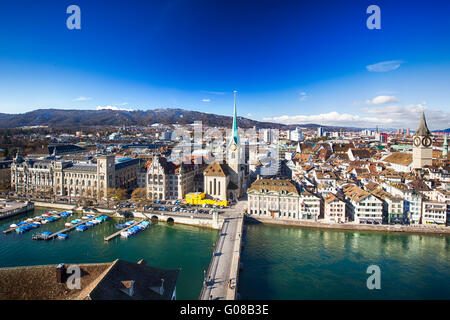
[67, 229]
[55, 234]
[115, 234]
[25, 224]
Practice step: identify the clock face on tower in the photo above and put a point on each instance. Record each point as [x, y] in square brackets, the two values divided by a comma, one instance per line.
[416, 141]
[426, 141]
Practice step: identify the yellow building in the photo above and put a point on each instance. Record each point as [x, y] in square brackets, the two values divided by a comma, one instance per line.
[198, 198]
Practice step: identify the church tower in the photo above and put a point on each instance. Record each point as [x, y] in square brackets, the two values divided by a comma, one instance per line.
[235, 160]
[233, 154]
[422, 148]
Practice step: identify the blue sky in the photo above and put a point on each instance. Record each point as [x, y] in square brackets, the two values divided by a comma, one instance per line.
[291, 61]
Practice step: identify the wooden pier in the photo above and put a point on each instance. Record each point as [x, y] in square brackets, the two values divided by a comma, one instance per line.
[115, 234]
[67, 229]
[23, 225]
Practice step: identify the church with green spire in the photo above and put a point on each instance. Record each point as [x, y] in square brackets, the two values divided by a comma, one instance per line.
[228, 180]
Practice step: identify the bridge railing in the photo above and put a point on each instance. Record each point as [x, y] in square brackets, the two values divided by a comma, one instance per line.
[204, 286]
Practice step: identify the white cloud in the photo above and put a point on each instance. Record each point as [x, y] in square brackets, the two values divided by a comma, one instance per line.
[408, 116]
[83, 98]
[384, 116]
[217, 93]
[382, 100]
[331, 118]
[112, 108]
[303, 96]
[384, 66]
[249, 115]
[206, 100]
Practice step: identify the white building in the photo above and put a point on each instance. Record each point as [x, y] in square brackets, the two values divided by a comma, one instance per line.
[280, 199]
[296, 135]
[334, 209]
[320, 132]
[434, 212]
[363, 207]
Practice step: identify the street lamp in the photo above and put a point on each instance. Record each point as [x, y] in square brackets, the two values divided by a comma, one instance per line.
[204, 277]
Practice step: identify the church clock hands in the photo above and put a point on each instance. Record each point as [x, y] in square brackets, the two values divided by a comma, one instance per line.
[417, 141]
[427, 141]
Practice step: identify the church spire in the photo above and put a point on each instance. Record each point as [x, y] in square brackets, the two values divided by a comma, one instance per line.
[423, 128]
[234, 132]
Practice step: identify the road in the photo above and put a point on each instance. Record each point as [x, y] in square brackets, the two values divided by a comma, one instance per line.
[225, 260]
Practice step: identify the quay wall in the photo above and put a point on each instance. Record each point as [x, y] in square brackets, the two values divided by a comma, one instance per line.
[55, 205]
[205, 222]
[193, 221]
[355, 227]
[16, 209]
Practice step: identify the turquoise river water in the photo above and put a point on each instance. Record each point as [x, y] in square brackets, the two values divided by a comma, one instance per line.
[162, 246]
[279, 262]
[302, 263]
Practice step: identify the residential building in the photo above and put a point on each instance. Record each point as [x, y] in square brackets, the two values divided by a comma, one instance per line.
[334, 208]
[281, 199]
[363, 206]
[434, 212]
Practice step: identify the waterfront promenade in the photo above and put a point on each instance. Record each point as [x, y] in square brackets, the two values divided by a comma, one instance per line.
[351, 226]
[221, 278]
[12, 208]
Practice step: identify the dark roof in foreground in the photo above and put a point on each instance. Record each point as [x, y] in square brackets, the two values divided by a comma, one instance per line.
[39, 282]
[100, 281]
[149, 283]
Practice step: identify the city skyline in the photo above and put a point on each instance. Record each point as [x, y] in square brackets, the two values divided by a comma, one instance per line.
[292, 64]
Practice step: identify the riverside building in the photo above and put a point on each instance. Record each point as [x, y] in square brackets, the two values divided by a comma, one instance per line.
[281, 199]
[73, 179]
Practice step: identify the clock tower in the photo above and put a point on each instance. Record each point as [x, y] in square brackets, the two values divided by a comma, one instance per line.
[233, 153]
[422, 146]
[236, 161]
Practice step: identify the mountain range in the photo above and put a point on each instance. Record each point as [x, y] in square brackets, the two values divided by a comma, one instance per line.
[62, 118]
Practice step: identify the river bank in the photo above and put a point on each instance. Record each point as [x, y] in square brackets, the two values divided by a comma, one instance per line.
[354, 227]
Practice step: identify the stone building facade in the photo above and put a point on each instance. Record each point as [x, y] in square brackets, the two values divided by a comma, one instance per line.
[280, 198]
[73, 179]
[168, 180]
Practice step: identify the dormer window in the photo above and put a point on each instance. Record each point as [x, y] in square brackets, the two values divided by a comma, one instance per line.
[127, 287]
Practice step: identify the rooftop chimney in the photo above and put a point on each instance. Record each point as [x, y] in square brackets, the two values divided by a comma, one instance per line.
[159, 290]
[60, 273]
[142, 262]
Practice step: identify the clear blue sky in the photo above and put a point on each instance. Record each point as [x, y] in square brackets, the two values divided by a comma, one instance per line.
[291, 61]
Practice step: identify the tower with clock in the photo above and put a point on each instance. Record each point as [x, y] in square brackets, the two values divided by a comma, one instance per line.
[228, 180]
[422, 146]
[235, 160]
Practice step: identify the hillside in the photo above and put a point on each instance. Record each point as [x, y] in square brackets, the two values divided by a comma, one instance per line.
[84, 118]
